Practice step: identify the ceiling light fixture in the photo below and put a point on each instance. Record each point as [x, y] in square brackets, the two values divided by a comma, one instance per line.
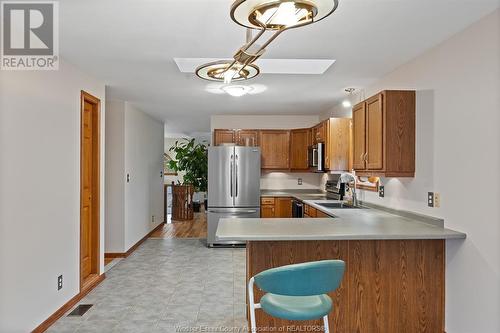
[280, 14]
[276, 15]
[346, 102]
[226, 71]
[237, 90]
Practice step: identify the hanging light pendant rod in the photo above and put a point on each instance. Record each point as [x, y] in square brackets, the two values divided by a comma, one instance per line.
[263, 15]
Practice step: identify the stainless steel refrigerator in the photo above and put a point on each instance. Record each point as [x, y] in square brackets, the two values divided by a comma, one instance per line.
[233, 186]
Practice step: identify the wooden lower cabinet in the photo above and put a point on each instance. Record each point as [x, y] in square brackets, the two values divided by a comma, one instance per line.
[389, 286]
[267, 211]
[275, 207]
[309, 211]
[321, 214]
[283, 207]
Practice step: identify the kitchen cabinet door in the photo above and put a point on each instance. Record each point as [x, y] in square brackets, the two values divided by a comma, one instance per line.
[299, 143]
[283, 207]
[358, 136]
[321, 214]
[320, 132]
[338, 144]
[248, 138]
[267, 211]
[224, 136]
[275, 149]
[374, 133]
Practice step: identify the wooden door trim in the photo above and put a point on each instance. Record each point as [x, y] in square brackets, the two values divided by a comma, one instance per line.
[96, 214]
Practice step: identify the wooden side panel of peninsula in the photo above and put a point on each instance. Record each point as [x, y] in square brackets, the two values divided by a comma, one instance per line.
[390, 286]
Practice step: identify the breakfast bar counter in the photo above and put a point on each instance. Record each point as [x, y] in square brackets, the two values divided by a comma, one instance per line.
[395, 267]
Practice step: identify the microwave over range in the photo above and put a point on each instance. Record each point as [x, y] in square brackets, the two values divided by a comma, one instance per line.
[316, 157]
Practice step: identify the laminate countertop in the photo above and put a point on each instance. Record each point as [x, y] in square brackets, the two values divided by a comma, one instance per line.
[347, 224]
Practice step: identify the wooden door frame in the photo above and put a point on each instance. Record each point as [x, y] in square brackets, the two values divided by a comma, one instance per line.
[96, 198]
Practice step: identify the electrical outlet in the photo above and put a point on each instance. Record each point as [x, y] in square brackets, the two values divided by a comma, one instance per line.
[430, 199]
[437, 199]
[381, 191]
[152, 218]
[299, 181]
[59, 282]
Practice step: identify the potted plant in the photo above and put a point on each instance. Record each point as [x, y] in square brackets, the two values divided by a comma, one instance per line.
[192, 159]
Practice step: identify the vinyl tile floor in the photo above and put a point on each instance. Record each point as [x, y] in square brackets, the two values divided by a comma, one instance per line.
[167, 285]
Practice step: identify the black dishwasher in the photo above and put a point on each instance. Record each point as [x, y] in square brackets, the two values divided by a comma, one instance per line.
[297, 208]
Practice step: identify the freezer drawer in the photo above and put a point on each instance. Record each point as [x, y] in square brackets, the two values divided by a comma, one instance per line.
[214, 214]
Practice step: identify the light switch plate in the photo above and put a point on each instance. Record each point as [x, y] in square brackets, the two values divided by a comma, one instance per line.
[381, 191]
[430, 199]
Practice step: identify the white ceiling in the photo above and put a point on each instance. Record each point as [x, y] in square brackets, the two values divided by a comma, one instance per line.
[130, 45]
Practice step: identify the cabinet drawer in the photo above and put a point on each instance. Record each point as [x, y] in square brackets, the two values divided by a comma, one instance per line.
[267, 201]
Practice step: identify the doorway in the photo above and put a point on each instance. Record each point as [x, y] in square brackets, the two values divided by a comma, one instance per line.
[89, 189]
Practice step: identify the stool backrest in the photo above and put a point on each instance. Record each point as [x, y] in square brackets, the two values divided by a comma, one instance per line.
[306, 279]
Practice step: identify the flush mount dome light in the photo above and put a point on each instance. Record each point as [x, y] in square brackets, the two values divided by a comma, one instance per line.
[237, 90]
[226, 71]
[280, 14]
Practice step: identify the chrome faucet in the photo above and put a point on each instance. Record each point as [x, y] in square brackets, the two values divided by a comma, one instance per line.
[346, 178]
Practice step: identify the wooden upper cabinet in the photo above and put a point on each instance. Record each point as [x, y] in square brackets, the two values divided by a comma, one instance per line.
[224, 136]
[384, 135]
[300, 140]
[358, 136]
[248, 138]
[275, 149]
[243, 137]
[374, 157]
[319, 132]
[338, 144]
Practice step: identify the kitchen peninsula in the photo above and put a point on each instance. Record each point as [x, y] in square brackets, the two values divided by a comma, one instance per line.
[395, 266]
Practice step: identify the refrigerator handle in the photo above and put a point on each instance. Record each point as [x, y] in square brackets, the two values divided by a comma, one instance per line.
[231, 175]
[236, 173]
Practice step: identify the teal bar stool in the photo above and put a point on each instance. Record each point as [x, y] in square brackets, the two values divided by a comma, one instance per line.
[297, 292]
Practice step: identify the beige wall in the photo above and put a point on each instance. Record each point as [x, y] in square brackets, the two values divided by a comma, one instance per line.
[40, 191]
[458, 155]
[134, 142]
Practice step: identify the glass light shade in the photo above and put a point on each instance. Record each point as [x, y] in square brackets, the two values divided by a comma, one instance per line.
[220, 71]
[279, 14]
[346, 103]
[237, 90]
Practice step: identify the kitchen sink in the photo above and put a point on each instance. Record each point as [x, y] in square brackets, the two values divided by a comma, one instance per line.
[334, 205]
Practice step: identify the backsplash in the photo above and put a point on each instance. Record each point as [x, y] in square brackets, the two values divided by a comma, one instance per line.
[285, 180]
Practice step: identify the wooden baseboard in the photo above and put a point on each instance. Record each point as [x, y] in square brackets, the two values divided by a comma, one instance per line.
[134, 247]
[63, 309]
